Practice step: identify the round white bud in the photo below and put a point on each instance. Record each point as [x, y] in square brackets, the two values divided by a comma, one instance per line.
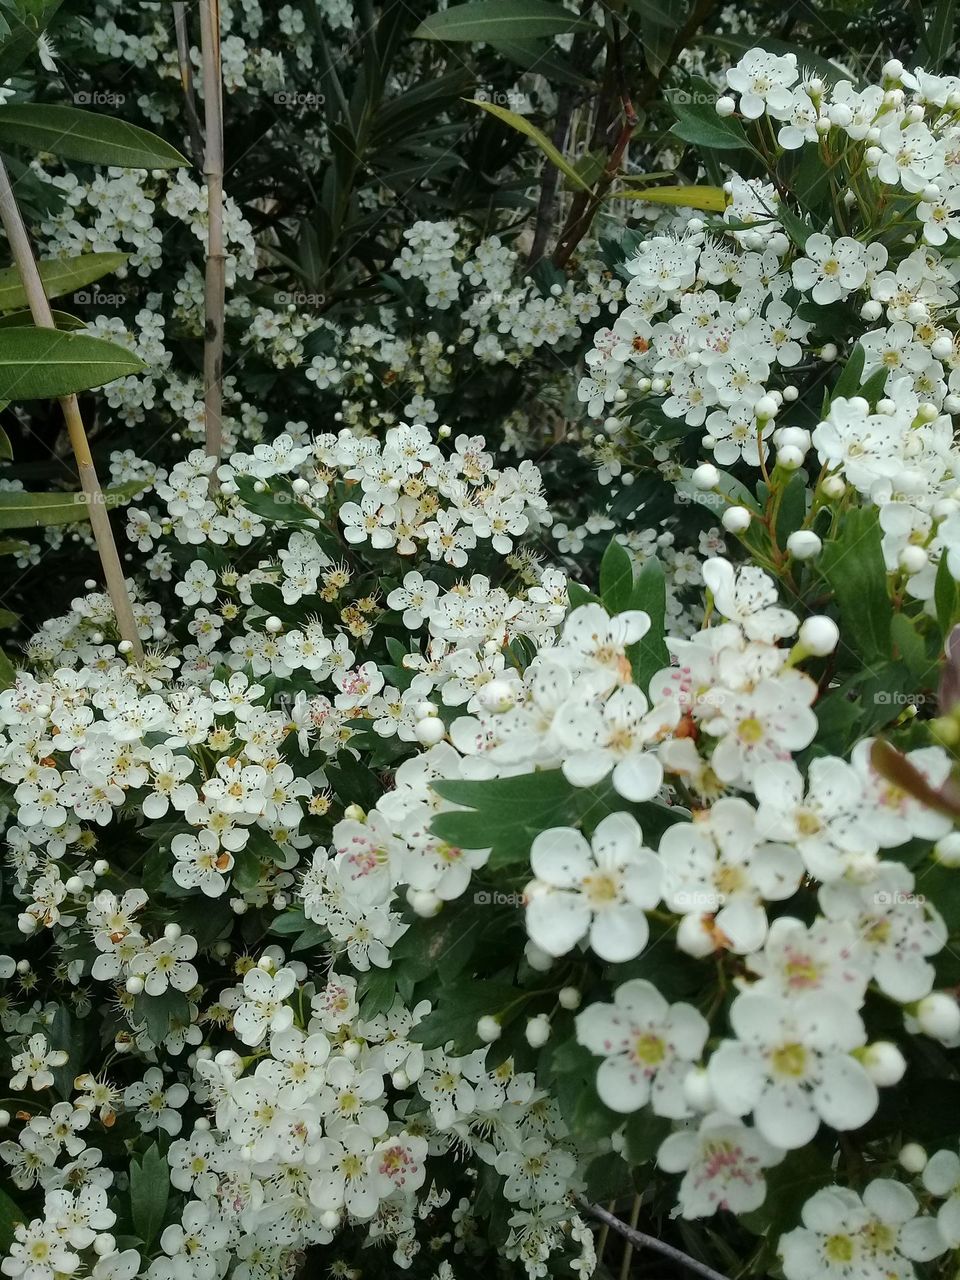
[939, 1016]
[794, 438]
[789, 457]
[706, 476]
[725, 106]
[912, 559]
[489, 1029]
[735, 519]
[444, 432]
[172, 932]
[912, 1157]
[790, 393]
[104, 1245]
[424, 710]
[101, 867]
[74, 885]
[569, 997]
[884, 1063]
[329, 1220]
[803, 544]
[424, 902]
[429, 731]
[537, 1031]
[538, 959]
[819, 635]
[399, 1079]
[134, 985]
[351, 1050]
[694, 937]
[300, 485]
[828, 351]
[273, 624]
[871, 310]
[947, 850]
[834, 487]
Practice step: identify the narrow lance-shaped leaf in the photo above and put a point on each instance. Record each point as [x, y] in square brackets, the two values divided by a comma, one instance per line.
[493, 20]
[20, 510]
[59, 276]
[522, 125]
[38, 364]
[712, 199]
[86, 136]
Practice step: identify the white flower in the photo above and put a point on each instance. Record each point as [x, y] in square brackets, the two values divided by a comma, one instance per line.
[941, 1177]
[156, 1107]
[872, 1238]
[264, 1006]
[35, 1064]
[792, 1066]
[716, 867]
[601, 888]
[647, 1046]
[831, 268]
[722, 1162]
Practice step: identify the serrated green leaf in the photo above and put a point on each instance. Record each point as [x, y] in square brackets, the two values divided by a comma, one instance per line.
[650, 654]
[616, 578]
[86, 136]
[149, 1193]
[44, 364]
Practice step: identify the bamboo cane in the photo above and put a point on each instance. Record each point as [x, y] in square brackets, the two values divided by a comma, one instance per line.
[215, 281]
[113, 575]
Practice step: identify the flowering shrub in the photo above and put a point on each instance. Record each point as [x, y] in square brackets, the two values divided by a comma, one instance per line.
[426, 882]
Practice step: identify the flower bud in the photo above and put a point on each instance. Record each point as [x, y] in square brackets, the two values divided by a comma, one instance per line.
[884, 1063]
[912, 1157]
[939, 1016]
[429, 731]
[735, 519]
[725, 106]
[706, 476]
[489, 1029]
[569, 997]
[537, 1031]
[819, 635]
[803, 544]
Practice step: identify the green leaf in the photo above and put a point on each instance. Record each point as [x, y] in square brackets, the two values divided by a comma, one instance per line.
[945, 597]
[616, 578]
[149, 1193]
[939, 36]
[20, 510]
[24, 320]
[499, 20]
[59, 276]
[504, 814]
[6, 448]
[848, 384]
[456, 1018]
[523, 125]
[699, 123]
[650, 654]
[43, 364]
[793, 507]
[31, 21]
[157, 1013]
[8, 676]
[853, 565]
[10, 1215]
[713, 199]
[86, 136]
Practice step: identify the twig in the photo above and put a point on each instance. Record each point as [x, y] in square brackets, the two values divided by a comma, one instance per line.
[186, 81]
[628, 1247]
[550, 179]
[214, 295]
[99, 518]
[642, 1241]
